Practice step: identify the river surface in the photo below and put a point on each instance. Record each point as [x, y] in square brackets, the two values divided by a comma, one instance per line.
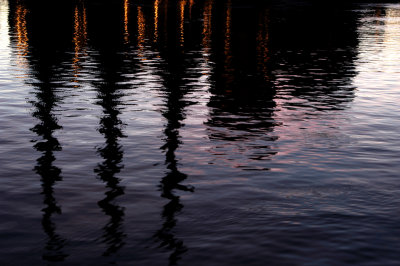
[199, 132]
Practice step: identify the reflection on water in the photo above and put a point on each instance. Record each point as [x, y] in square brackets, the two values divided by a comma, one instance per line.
[175, 89]
[112, 154]
[109, 95]
[21, 34]
[80, 37]
[174, 114]
[45, 105]
[207, 25]
[126, 21]
[49, 173]
[282, 116]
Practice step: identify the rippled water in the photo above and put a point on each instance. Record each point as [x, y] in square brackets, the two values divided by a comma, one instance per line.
[199, 132]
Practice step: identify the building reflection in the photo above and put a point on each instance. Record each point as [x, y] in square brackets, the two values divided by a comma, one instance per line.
[314, 57]
[242, 104]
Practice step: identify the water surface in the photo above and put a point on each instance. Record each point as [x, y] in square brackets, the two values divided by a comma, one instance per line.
[199, 132]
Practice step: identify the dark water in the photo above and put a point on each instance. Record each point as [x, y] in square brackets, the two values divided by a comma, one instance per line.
[199, 132]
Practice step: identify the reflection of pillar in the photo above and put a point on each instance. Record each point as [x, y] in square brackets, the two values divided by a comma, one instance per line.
[174, 113]
[44, 104]
[172, 181]
[46, 100]
[50, 174]
[112, 153]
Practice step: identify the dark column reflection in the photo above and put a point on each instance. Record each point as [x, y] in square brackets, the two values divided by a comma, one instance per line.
[46, 101]
[174, 114]
[174, 92]
[112, 153]
[108, 80]
[42, 63]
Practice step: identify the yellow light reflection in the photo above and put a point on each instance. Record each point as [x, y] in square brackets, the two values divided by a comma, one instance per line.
[79, 39]
[126, 21]
[182, 5]
[156, 8]
[191, 3]
[207, 29]
[141, 32]
[22, 36]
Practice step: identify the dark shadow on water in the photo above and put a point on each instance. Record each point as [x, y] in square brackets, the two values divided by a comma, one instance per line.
[45, 168]
[108, 80]
[41, 62]
[112, 153]
[171, 45]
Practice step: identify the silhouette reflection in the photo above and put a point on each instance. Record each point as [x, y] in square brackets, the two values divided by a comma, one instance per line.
[175, 89]
[109, 84]
[45, 78]
[45, 168]
[174, 114]
[112, 153]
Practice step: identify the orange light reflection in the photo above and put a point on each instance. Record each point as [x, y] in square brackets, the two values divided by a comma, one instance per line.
[79, 39]
[141, 33]
[156, 8]
[207, 29]
[22, 36]
[126, 21]
[182, 5]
